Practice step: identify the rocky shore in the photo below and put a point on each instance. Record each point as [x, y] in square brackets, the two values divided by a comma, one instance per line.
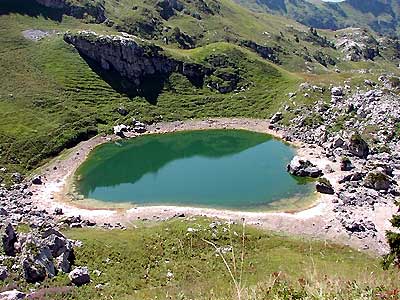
[370, 169]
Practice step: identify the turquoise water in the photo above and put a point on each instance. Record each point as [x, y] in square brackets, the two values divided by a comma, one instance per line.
[232, 169]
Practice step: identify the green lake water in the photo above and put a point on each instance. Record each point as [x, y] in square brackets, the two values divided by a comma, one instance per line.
[231, 169]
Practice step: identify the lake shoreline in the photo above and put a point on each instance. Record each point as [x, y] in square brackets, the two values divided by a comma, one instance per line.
[316, 221]
[231, 169]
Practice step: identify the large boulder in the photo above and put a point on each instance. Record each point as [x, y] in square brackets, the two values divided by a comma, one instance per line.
[79, 276]
[377, 181]
[9, 239]
[276, 118]
[323, 186]
[356, 176]
[303, 168]
[120, 130]
[358, 146]
[62, 250]
[46, 254]
[37, 180]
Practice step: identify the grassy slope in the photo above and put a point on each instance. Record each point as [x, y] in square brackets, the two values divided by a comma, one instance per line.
[134, 265]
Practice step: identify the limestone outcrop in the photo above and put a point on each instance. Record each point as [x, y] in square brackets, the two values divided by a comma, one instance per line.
[138, 61]
[132, 57]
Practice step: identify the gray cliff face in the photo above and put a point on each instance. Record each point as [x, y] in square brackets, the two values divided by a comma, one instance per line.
[138, 61]
[122, 54]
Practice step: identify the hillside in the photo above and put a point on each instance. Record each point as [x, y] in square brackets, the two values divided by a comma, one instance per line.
[381, 16]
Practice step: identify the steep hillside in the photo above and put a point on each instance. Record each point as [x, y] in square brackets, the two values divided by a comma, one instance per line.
[381, 16]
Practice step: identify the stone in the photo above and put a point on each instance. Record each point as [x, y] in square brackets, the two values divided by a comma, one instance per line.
[12, 295]
[58, 211]
[3, 273]
[377, 181]
[9, 239]
[122, 111]
[57, 244]
[120, 129]
[323, 186]
[64, 262]
[33, 272]
[276, 118]
[45, 259]
[358, 146]
[3, 212]
[16, 177]
[303, 168]
[37, 180]
[337, 91]
[338, 143]
[356, 176]
[345, 164]
[79, 276]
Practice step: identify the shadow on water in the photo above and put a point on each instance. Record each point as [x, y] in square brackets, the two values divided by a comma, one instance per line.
[30, 8]
[114, 164]
[150, 89]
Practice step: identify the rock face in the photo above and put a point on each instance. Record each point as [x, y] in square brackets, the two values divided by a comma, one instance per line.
[79, 276]
[132, 58]
[169, 8]
[140, 61]
[303, 168]
[94, 9]
[357, 146]
[264, 51]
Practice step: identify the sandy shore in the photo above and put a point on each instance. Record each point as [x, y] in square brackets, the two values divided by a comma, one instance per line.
[317, 221]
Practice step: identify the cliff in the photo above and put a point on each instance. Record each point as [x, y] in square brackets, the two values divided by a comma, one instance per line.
[138, 60]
